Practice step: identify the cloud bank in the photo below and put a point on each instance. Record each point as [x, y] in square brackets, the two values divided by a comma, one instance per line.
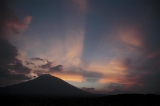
[12, 69]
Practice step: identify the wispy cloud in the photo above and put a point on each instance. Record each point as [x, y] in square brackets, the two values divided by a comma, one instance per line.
[37, 59]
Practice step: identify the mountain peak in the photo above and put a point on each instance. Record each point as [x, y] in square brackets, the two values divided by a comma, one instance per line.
[45, 75]
[45, 84]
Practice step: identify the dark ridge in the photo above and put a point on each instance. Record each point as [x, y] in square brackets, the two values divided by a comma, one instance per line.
[44, 85]
[110, 100]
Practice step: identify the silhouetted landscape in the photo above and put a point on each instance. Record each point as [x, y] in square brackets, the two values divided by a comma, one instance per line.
[45, 85]
[79, 52]
[49, 90]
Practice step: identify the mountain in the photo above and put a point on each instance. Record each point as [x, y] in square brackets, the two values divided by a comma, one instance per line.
[117, 91]
[45, 85]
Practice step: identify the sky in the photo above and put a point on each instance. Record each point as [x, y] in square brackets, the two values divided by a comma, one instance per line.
[100, 44]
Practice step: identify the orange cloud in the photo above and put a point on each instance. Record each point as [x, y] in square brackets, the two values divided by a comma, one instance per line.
[131, 36]
[114, 66]
[70, 77]
[122, 79]
[114, 70]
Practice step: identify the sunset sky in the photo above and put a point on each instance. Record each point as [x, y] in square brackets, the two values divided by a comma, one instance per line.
[104, 44]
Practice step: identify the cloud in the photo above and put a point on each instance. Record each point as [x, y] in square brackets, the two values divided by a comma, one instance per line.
[16, 26]
[47, 65]
[19, 68]
[37, 59]
[148, 71]
[91, 76]
[11, 24]
[12, 69]
[76, 75]
[147, 83]
[7, 77]
[131, 36]
[29, 63]
[18, 77]
[150, 83]
[39, 72]
[8, 60]
[3, 71]
[50, 67]
[56, 68]
[8, 52]
[148, 67]
[113, 86]
[133, 54]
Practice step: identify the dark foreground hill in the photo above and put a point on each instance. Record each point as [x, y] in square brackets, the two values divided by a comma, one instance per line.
[110, 100]
[45, 85]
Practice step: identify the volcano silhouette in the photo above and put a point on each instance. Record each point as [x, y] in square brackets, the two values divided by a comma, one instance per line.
[45, 85]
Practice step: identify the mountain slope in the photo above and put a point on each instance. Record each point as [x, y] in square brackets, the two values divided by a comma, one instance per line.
[44, 85]
[117, 91]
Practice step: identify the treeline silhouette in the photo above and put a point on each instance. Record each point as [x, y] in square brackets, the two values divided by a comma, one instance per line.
[110, 100]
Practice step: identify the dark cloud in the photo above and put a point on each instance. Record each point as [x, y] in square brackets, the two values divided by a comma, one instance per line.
[50, 66]
[147, 83]
[149, 64]
[91, 76]
[8, 52]
[20, 68]
[145, 72]
[10, 66]
[47, 65]
[145, 68]
[9, 76]
[151, 83]
[149, 75]
[37, 59]
[151, 28]
[56, 68]
[11, 79]
[18, 77]
[29, 63]
[4, 71]
[51, 69]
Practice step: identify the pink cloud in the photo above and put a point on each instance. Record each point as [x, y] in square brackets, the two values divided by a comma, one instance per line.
[16, 26]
